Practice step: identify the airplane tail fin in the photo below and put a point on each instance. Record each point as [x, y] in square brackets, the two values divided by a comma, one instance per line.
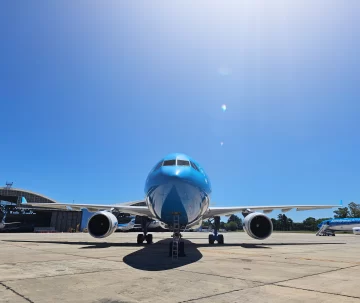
[23, 200]
[341, 203]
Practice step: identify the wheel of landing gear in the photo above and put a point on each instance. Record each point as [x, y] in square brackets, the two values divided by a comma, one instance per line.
[149, 238]
[140, 238]
[220, 239]
[211, 239]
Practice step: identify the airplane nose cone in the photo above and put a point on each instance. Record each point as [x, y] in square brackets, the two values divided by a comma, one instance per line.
[176, 172]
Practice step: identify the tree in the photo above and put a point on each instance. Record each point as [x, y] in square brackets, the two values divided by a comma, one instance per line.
[206, 225]
[222, 225]
[237, 220]
[354, 210]
[231, 226]
[283, 222]
[310, 224]
[275, 223]
[290, 224]
[298, 226]
[341, 212]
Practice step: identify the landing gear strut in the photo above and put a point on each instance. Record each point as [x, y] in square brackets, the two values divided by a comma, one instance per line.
[215, 236]
[145, 236]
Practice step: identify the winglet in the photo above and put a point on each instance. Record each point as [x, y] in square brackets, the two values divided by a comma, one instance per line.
[23, 200]
[341, 203]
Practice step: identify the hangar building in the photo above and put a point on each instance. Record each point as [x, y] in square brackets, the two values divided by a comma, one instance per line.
[59, 220]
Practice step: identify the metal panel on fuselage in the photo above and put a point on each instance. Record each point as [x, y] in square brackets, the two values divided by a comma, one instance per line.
[348, 227]
[339, 224]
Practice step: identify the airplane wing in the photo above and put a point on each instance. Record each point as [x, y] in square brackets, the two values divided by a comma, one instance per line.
[124, 208]
[227, 211]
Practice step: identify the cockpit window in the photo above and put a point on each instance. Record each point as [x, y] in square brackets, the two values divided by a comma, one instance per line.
[182, 162]
[194, 166]
[169, 162]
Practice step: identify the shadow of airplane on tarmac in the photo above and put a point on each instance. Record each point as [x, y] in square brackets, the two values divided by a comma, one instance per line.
[155, 257]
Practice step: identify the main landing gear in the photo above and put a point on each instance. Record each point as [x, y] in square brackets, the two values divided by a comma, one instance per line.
[215, 236]
[145, 236]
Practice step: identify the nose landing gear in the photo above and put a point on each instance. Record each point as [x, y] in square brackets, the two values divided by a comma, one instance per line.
[176, 247]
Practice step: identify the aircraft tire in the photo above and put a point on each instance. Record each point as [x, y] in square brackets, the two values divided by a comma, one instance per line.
[140, 238]
[220, 239]
[211, 239]
[149, 238]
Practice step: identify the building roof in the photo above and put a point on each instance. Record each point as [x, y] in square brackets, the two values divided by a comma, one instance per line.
[15, 195]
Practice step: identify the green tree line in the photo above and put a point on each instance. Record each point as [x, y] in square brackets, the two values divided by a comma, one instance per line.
[283, 223]
[233, 223]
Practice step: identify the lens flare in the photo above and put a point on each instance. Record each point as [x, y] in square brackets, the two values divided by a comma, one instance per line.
[223, 107]
[224, 71]
[221, 143]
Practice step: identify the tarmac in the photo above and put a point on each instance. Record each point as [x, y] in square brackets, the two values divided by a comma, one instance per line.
[74, 267]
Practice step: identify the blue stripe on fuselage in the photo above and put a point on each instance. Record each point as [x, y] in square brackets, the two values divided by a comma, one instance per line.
[340, 221]
[177, 189]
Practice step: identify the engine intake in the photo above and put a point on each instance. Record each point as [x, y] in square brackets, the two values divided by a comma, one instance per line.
[102, 224]
[258, 226]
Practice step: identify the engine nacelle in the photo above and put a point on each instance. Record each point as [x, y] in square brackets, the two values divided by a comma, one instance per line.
[102, 224]
[258, 226]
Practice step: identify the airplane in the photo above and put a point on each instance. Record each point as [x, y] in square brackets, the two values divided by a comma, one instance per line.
[328, 227]
[132, 225]
[177, 193]
[127, 226]
[356, 230]
[7, 226]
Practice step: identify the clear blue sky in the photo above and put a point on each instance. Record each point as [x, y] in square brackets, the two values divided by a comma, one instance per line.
[93, 94]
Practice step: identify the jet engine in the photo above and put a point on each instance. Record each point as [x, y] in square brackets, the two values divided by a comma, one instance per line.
[102, 224]
[258, 226]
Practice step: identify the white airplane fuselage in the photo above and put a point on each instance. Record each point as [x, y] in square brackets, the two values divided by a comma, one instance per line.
[342, 224]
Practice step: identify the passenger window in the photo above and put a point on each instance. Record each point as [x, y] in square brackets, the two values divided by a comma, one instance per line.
[169, 162]
[182, 163]
[194, 166]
